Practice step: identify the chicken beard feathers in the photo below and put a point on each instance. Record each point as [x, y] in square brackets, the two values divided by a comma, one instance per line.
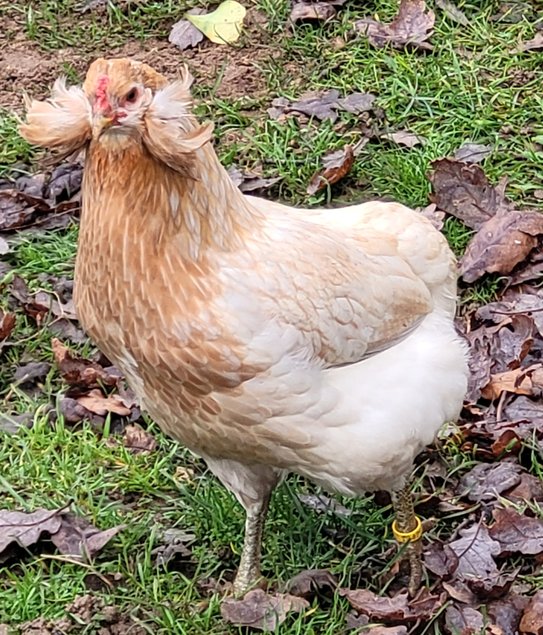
[62, 121]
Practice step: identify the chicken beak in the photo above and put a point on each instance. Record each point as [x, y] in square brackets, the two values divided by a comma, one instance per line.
[102, 122]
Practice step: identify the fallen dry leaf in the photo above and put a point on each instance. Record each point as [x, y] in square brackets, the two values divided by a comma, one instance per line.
[184, 34]
[506, 612]
[45, 200]
[517, 533]
[7, 324]
[473, 152]
[529, 489]
[440, 559]
[534, 44]
[25, 528]
[404, 138]
[31, 371]
[76, 536]
[261, 611]
[80, 372]
[174, 545]
[311, 582]
[433, 215]
[396, 609]
[325, 505]
[413, 25]
[95, 401]
[463, 620]
[336, 165]
[323, 105]
[138, 440]
[520, 381]
[501, 243]
[319, 11]
[251, 181]
[531, 622]
[486, 481]
[452, 12]
[463, 191]
[223, 25]
[385, 630]
[475, 551]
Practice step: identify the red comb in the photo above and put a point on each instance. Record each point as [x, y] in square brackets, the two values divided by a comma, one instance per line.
[101, 96]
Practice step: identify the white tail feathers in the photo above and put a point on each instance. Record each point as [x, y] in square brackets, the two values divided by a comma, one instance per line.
[63, 121]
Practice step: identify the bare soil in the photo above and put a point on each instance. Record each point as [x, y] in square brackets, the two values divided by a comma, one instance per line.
[228, 71]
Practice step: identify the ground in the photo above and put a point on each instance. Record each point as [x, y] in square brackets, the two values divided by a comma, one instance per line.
[472, 87]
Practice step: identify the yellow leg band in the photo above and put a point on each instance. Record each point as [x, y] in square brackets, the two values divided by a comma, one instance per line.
[408, 536]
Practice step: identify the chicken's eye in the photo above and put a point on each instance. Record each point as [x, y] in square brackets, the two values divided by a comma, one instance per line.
[131, 96]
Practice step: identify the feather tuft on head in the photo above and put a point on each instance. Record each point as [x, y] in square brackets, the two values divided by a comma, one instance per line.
[171, 133]
[63, 121]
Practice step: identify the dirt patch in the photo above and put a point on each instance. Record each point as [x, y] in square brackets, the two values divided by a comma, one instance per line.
[227, 71]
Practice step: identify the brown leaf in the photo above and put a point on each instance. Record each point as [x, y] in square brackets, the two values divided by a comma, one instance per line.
[534, 44]
[73, 412]
[530, 304]
[473, 152]
[433, 215]
[395, 609]
[523, 408]
[76, 536]
[501, 243]
[309, 583]
[463, 620]
[413, 25]
[80, 372]
[336, 165]
[138, 440]
[96, 402]
[475, 550]
[184, 34]
[506, 612]
[520, 381]
[486, 481]
[323, 105]
[261, 611]
[174, 545]
[25, 528]
[531, 622]
[463, 191]
[31, 371]
[517, 533]
[452, 12]
[404, 138]
[385, 630]
[440, 559]
[251, 181]
[7, 324]
[319, 11]
[529, 489]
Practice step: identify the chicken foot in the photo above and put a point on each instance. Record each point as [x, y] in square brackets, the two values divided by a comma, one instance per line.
[248, 573]
[407, 528]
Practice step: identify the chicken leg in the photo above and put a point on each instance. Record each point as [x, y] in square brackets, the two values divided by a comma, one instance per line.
[249, 565]
[407, 528]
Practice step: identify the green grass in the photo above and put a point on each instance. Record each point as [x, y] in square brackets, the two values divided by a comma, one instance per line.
[470, 88]
[13, 149]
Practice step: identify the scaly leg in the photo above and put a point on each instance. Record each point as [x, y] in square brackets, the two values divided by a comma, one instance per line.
[407, 528]
[249, 565]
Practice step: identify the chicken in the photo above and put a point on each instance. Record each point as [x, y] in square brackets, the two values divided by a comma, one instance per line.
[266, 339]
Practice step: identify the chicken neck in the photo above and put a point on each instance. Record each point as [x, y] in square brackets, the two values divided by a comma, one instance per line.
[203, 211]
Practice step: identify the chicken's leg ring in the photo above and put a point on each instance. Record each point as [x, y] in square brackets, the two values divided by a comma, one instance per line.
[407, 528]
